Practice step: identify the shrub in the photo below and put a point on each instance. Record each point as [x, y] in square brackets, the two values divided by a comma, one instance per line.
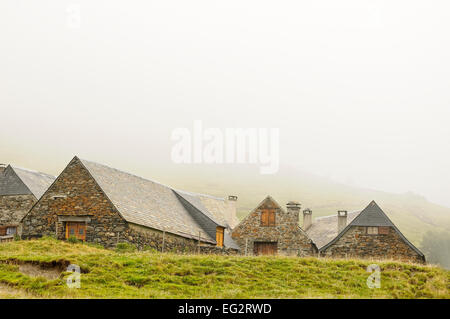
[73, 240]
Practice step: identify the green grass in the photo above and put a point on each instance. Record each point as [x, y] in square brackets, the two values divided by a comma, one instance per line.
[131, 274]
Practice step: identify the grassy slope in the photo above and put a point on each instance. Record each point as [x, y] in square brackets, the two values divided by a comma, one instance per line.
[155, 275]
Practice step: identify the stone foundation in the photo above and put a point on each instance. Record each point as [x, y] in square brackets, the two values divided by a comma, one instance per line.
[143, 237]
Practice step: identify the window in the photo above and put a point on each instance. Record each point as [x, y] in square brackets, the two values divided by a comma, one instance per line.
[11, 230]
[268, 217]
[59, 196]
[372, 230]
[383, 230]
[76, 229]
[219, 236]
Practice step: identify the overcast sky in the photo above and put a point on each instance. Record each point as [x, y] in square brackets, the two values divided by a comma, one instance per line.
[359, 89]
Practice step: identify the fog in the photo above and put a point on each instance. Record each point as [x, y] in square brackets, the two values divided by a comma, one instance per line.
[360, 90]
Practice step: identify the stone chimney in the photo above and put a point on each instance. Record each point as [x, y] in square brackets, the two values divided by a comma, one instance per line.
[307, 218]
[2, 167]
[293, 209]
[231, 210]
[342, 220]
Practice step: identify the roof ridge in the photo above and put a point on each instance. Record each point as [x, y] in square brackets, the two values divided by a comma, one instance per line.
[334, 215]
[199, 194]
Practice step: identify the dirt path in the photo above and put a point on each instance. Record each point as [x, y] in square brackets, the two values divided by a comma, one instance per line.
[7, 292]
[36, 271]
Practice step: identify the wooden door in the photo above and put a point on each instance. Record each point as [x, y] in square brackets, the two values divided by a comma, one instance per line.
[76, 229]
[265, 248]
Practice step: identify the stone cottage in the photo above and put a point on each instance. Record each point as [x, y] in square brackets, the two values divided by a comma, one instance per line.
[99, 204]
[364, 234]
[19, 190]
[271, 230]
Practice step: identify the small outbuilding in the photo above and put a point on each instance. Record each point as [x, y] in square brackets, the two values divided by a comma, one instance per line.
[19, 190]
[271, 230]
[368, 234]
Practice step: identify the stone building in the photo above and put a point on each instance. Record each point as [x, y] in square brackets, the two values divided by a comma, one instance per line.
[19, 190]
[99, 204]
[271, 230]
[364, 234]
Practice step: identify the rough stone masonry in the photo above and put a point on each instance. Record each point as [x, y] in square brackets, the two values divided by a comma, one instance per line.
[285, 233]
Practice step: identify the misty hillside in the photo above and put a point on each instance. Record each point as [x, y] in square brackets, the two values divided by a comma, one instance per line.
[412, 213]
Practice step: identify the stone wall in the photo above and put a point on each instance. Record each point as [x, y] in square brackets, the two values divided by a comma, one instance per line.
[291, 240]
[356, 243]
[144, 237]
[218, 250]
[14, 207]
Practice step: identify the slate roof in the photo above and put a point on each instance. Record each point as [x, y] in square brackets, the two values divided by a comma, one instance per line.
[21, 181]
[215, 208]
[151, 204]
[195, 200]
[324, 229]
[220, 209]
[372, 215]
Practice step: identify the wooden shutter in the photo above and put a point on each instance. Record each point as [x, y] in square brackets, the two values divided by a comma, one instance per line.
[383, 230]
[81, 231]
[268, 217]
[219, 236]
[272, 218]
[265, 218]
